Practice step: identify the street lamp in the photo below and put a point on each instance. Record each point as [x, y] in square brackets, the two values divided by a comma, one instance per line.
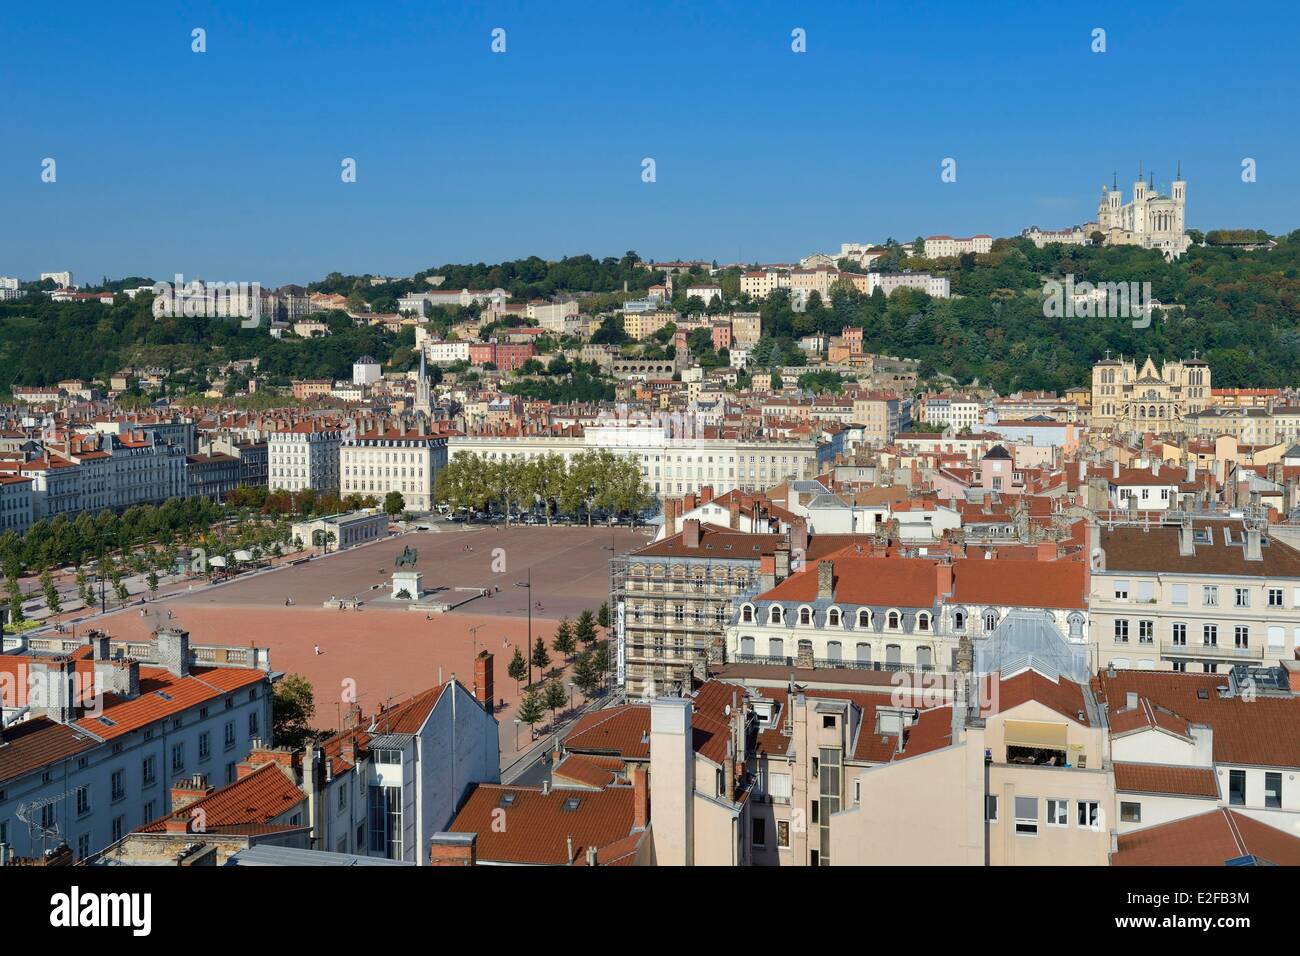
[528, 585]
[517, 723]
[571, 686]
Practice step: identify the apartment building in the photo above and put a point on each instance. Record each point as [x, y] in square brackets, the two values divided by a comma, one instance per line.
[670, 465]
[16, 512]
[856, 610]
[384, 460]
[96, 750]
[882, 414]
[1196, 595]
[1185, 744]
[672, 601]
[304, 456]
[939, 247]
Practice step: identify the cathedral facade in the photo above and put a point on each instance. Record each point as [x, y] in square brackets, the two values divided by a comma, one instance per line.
[1132, 399]
[1149, 220]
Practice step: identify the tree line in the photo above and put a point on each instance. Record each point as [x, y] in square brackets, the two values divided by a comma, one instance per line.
[595, 479]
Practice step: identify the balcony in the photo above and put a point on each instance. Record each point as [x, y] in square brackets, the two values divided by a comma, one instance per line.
[1217, 652]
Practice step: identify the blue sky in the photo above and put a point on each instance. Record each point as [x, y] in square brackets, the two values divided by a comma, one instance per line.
[226, 164]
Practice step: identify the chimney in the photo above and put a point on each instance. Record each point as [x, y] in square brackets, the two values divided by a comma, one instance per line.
[453, 849]
[943, 578]
[591, 856]
[1186, 540]
[484, 689]
[117, 677]
[766, 572]
[189, 791]
[688, 503]
[56, 694]
[733, 510]
[1083, 469]
[174, 650]
[1114, 468]
[825, 580]
[691, 533]
[798, 538]
[1254, 544]
[672, 781]
[1155, 467]
[1191, 470]
[706, 494]
[640, 799]
[671, 509]
[782, 559]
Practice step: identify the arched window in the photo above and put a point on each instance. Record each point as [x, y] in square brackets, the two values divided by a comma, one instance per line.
[833, 617]
[923, 621]
[892, 620]
[774, 615]
[990, 620]
[864, 618]
[747, 614]
[805, 616]
[959, 620]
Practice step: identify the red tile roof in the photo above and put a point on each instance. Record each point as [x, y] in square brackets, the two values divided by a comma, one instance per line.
[258, 798]
[1161, 778]
[538, 826]
[1264, 731]
[1209, 839]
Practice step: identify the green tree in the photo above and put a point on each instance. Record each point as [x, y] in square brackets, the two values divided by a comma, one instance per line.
[585, 631]
[541, 659]
[556, 698]
[563, 642]
[532, 709]
[152, 581]
[517, 668]
[394, 503]
[602, 616]
[51, 592]
[584, 674]
[292, 705]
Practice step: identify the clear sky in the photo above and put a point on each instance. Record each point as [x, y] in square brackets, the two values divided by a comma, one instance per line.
[226, 164]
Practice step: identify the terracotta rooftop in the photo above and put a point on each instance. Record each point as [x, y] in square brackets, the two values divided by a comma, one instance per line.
[1209, 839]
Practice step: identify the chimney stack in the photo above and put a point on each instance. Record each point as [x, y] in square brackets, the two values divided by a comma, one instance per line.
[640, 799]
[691, 533]
[174, 650]
[453, 849]
[672, 781]
[484, 688]
[825, 580]
[189, 791]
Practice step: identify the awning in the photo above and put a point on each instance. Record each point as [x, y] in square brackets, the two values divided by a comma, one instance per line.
[1034, 733]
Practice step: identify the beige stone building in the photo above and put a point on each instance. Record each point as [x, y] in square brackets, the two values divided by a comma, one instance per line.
[1128, 398]
[1193, 595]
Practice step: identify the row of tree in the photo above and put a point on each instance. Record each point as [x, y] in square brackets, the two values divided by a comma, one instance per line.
[596, 480]
[591, 666]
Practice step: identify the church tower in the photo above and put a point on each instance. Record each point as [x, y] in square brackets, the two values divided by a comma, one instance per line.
[1139, 223]
[1180, 200]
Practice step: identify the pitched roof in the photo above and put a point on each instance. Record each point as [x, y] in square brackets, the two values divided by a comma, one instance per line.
[32, 744]
[539, 825]
[1156, 549]
[1208, 839]
[1263, 731]
[256, 799]
[1165, 779]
